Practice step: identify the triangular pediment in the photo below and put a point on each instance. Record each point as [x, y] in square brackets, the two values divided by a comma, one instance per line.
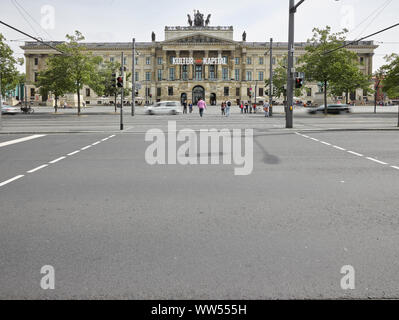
[199, 38]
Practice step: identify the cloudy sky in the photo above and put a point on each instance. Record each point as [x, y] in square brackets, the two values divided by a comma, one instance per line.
[120, 20]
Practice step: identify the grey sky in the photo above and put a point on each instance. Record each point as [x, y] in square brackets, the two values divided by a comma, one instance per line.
[120, 20]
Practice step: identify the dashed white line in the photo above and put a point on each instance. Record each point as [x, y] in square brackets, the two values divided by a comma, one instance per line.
[38, 168]
[112, 136]
[314, 139]
[96, 143]
[105, 139]
[57, 160]
[85, 148]
[356, 154]
[339, 148]
[395, 167]
[378, 161]
[11, 180]
[326, 143]
[73, 153]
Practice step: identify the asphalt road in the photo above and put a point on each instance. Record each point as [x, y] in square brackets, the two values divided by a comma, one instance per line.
[115, 227]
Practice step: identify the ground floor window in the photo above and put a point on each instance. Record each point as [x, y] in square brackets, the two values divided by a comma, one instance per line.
[237, 92]
[170, 91]
[159, 92]
[226, 91]
[260, 92]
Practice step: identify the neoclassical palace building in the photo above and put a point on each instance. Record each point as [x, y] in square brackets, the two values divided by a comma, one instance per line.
[193, 61]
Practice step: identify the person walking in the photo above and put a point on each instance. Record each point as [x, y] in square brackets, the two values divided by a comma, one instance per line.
[223, 107]
[228, 107]
[191, 107]
[201, 106]
[254, 107]
[242, 107]
[185, 107]
[246, 107]
[266, 109]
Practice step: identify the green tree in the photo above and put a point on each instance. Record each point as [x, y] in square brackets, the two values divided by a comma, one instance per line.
[54, 78]
[390, 74]
[81, 66]
[9, 75]
[334, 69]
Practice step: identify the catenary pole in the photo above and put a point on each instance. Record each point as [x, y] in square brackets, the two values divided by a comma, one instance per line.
[271, 80]
[289, 108]
[134, 78]
[122, 74]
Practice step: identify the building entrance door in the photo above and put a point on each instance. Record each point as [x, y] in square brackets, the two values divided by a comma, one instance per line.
[198, 93]
[213, 99]
[183, 98]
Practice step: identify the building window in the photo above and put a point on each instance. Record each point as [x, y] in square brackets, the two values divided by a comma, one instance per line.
[159, 92]
[136, 60]
[148, 92]
[226, 91]
[147, 60]
[159, 60]
[32, 92]
[260, 92]
[172, 74]
[260, 76]
[87, 92]
[249, 60]
[273, 60]
[237, 74]
[171, 60]
[261, 60]
[212, 75]
[112, 59]
[226, 59]
[159, 75]
[309, 92]
[237, 60]
[148, 76]
[170, 91]
[184, 72]
[361, 60]
[36, 76]
[225, 74]
[136, 76]
[36, 61]
[249, 75]
[124, 60]
[237, 92]
[198, 72]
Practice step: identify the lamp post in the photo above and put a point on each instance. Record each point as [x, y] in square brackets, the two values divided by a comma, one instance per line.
[134, 78]
[271, 80]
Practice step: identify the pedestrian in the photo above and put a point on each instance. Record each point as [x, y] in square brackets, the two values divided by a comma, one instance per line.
[191, 107]
[223, 107]
[228, 107]
[246, 107]
[250, 108]
[254, 107]
[266, 109]
[242, 107]
[185, 107]
[201, 106]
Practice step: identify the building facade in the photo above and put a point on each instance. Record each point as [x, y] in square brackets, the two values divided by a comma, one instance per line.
[192, 62]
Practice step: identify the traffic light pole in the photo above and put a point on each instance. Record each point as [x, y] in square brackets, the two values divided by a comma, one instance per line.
[271, 80]
[134, 78]
[122, 92]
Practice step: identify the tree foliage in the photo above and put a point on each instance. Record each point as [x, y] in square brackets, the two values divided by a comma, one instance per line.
[390, 75]
[9, 75]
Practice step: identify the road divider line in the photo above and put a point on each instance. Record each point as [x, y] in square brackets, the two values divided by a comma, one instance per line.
[314, 139]
[395, 167]
[38, 168]
[57, 160]
[326, 143]
[85, 148]
[339, 148]
[73, 153]
[378, 161]
[7, 143]
[96, 143]
[11, 180]
[356, 154]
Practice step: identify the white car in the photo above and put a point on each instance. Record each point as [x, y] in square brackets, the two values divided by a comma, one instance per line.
[6, 109]
[165, 107]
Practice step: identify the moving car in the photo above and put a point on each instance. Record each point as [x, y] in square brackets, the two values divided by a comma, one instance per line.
[331, 108]
[165, 107]
[6, 109]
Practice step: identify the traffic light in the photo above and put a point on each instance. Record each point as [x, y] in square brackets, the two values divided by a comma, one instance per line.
[298, 83]
[113, 80]
[120, 82]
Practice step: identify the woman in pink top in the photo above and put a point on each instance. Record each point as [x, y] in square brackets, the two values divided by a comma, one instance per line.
[202, 106]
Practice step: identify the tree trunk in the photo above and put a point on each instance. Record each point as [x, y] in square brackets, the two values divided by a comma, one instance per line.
[325, 97]
[116, 96]
[78, 91]
[56, 104]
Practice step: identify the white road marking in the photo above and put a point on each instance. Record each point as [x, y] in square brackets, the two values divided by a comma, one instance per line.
[378, 161]
[307, 137]
[73, 153]
[112, 136]
[105, 139]
[85, 148]
[7, 143]
[11, 180]
[326, 143]
[38, 168]
[96, 143]
[356, 154]
[339, 148]
[314, 139]
[57, 160]
[395, 167]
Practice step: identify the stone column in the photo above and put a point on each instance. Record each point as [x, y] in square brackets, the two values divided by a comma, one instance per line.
[190, 66]
[165, 63]
[206, 66]
[178, 67]
[219, 67]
